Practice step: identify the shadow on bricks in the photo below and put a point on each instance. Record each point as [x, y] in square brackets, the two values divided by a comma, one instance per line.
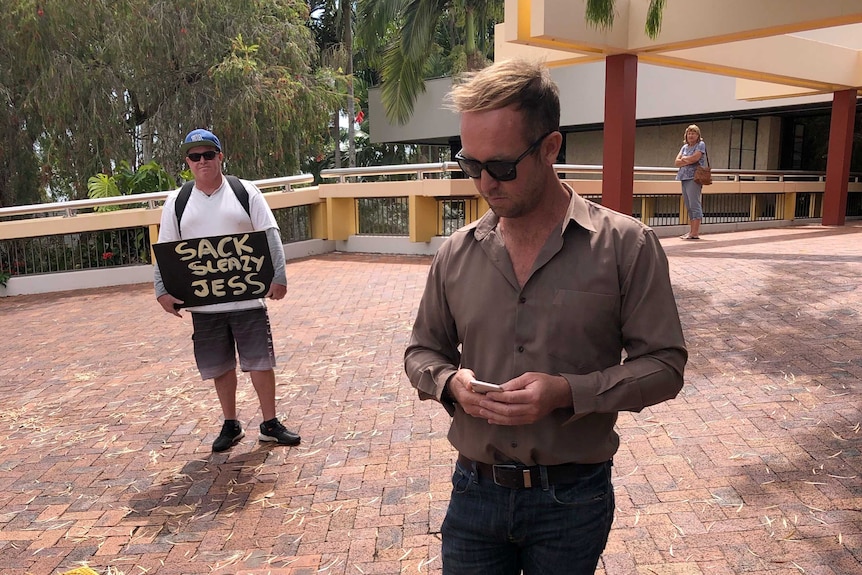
[202, 488]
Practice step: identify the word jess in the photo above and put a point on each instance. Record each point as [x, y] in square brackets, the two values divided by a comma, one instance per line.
[220, 257]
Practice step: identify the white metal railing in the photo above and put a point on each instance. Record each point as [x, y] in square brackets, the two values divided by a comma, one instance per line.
[70, 208]
[443, 168]
[286, 183]
[419, 170]
[658, 180]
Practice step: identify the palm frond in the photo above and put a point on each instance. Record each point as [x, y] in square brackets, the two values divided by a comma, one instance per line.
[402, 84]
[376, 16]
[420, 22]
[102, 186]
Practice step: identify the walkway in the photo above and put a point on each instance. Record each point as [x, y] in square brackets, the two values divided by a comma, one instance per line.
[105, 428]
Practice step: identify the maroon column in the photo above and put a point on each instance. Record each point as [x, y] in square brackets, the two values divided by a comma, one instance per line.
[838, 157]
[618, 159]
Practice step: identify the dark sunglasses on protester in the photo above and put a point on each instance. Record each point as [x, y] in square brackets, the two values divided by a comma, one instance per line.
[195, 157]
[500, 170]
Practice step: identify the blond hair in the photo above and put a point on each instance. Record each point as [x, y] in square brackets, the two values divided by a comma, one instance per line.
[528, 85]
[692, 128]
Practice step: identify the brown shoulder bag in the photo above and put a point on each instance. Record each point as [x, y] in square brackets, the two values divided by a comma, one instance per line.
[703, 174]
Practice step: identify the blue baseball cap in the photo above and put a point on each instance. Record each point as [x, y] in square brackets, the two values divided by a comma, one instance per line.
[200, 137]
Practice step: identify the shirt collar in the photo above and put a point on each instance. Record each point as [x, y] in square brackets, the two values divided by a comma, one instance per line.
[577, 212]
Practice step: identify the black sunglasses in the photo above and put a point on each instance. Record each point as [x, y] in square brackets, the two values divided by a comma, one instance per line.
[209, 155]
[500, 170]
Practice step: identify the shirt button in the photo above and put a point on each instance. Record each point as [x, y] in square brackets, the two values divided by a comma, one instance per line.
[522, 299]
[521, 349]
[514, 444]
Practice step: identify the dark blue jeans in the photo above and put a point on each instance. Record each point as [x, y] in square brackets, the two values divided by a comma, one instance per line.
[493, 530]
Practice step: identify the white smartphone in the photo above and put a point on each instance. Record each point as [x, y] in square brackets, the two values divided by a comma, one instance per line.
[484, 386]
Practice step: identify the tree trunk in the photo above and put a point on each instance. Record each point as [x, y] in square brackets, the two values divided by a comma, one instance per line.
[347, 22]
[336, 137]
[146, 148]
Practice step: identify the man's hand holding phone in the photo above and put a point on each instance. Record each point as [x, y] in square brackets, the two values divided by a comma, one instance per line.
[484, 386]
[471, 393]
[528, 397]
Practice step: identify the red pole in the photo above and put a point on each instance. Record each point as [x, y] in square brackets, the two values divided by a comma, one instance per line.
[838, 157]
[618, 156]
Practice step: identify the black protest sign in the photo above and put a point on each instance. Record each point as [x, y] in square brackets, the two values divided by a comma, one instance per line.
[217, 269]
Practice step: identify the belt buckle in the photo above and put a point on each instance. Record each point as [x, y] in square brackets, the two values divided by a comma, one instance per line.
[525, 477]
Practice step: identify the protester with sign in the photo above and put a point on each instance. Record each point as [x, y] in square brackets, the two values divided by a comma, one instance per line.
[216, 207]
[202, 271]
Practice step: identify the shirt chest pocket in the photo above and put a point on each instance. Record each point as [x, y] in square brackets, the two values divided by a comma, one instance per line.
[582, 326]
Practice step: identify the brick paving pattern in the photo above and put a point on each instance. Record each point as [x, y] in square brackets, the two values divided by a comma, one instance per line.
[106, 428]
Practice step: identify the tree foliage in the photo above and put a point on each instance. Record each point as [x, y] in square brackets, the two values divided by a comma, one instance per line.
[329, 19]
[333, 24]
[126, 181]
[411, 40]
[88, 84]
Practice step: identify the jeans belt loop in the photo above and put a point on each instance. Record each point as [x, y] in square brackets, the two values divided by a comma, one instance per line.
[543, 473]
[474, 467]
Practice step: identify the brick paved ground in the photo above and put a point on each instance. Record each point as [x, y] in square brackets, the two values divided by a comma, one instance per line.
[105, 428]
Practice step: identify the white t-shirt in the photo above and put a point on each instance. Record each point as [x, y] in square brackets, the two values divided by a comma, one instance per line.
[216, 215]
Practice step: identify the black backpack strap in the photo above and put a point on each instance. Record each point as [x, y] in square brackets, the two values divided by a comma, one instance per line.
[182, 200]
[240, 191]
[186, 193]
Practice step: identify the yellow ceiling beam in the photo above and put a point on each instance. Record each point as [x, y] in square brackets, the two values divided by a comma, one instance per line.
[535, 51]
[783, 56]
[769, 41]
[710, 22]
[753, 90]
[662, 60]
[684, 25]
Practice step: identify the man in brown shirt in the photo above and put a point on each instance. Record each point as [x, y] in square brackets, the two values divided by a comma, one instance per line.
[569, 307]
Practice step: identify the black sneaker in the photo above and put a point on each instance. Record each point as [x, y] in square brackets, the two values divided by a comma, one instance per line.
[273, 430]
[231, 433]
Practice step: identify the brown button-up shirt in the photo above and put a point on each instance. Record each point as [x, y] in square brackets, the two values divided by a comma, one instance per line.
[598, 309]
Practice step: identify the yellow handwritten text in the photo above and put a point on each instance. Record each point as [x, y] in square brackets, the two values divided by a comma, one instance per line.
[229, 264]
[222, 249]
[219, 287]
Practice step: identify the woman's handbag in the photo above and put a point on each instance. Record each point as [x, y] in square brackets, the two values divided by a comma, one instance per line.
[703, 174]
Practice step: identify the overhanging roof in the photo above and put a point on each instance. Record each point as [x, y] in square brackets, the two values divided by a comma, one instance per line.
[775, 48]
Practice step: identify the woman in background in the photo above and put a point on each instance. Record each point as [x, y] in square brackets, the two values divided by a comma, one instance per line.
[692, 154]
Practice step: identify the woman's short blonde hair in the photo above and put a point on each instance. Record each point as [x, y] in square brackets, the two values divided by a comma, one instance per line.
[692, 128]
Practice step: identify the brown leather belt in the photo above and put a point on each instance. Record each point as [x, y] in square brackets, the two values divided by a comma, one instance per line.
[517, 476]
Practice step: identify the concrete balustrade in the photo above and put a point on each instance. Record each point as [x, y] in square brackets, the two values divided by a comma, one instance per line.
[334, 215]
